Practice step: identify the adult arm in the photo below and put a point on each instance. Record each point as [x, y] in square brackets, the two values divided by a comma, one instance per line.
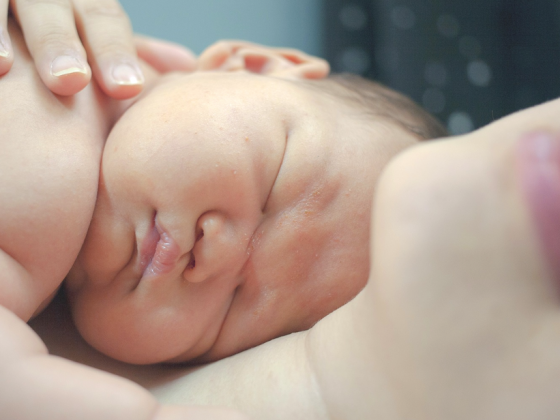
[37, 386]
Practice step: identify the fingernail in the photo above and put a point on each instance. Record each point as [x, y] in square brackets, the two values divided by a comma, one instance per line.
[127, 74]
[5, 46]
[67, 64]
[539, 175]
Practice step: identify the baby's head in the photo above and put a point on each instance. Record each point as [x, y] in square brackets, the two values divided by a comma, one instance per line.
[234, 207]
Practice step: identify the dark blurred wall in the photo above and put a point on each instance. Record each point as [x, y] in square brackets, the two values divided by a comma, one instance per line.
[468, 62]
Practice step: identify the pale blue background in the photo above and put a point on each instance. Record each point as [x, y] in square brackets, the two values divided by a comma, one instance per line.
[199, 23]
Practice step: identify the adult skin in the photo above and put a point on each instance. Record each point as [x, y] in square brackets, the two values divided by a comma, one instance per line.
[69, 40]
[52, 31]
[460, 317]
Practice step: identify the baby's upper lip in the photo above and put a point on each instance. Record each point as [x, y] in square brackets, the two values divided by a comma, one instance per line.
[158, 252]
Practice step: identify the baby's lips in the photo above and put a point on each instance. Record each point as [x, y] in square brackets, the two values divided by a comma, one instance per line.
[148, 248]
[539, 170]
[165, 257]
[158, 252]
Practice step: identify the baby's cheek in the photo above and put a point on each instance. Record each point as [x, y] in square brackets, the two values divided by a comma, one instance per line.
[108, 248]
[84, 314]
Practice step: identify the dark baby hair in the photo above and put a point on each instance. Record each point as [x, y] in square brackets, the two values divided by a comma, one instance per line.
[375, 100]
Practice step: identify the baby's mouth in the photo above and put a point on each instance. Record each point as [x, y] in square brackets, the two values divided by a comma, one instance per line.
[158, 253]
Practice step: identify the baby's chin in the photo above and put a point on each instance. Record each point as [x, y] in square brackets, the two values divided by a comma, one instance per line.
[128, 334]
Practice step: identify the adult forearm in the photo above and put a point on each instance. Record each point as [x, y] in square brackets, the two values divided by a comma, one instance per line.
[272, 381]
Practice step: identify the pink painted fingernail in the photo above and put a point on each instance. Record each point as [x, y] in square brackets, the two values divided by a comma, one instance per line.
[126, 74]
[67, 64]
[539, 170]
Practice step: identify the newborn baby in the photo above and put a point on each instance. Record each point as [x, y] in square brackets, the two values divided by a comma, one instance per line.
[234, 205]
[49, 164]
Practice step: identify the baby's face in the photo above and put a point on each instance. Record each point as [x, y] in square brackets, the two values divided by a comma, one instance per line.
[232, 208]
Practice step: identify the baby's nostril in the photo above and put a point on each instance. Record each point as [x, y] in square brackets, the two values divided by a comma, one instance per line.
[199, 234]
[192, 263]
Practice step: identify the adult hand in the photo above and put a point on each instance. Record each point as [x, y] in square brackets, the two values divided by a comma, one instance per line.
[63, 35]
[464, 284]
[460, 317]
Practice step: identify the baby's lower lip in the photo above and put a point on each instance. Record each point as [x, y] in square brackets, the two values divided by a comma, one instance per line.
[539, 164]
[148, 247]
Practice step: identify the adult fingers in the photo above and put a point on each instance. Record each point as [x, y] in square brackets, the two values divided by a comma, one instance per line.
[164, 56]
[107, 35]
[53, 42]
[6, 53]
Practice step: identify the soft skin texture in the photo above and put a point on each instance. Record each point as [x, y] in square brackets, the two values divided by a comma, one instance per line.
[257, 191]
[460, 318]
[49, 164]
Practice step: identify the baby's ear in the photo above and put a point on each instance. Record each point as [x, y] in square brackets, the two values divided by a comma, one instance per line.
[278, 62]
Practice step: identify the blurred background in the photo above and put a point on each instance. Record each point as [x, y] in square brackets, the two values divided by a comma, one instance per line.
[467, 62]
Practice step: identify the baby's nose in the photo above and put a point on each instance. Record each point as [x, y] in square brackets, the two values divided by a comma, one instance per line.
[220, 248]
